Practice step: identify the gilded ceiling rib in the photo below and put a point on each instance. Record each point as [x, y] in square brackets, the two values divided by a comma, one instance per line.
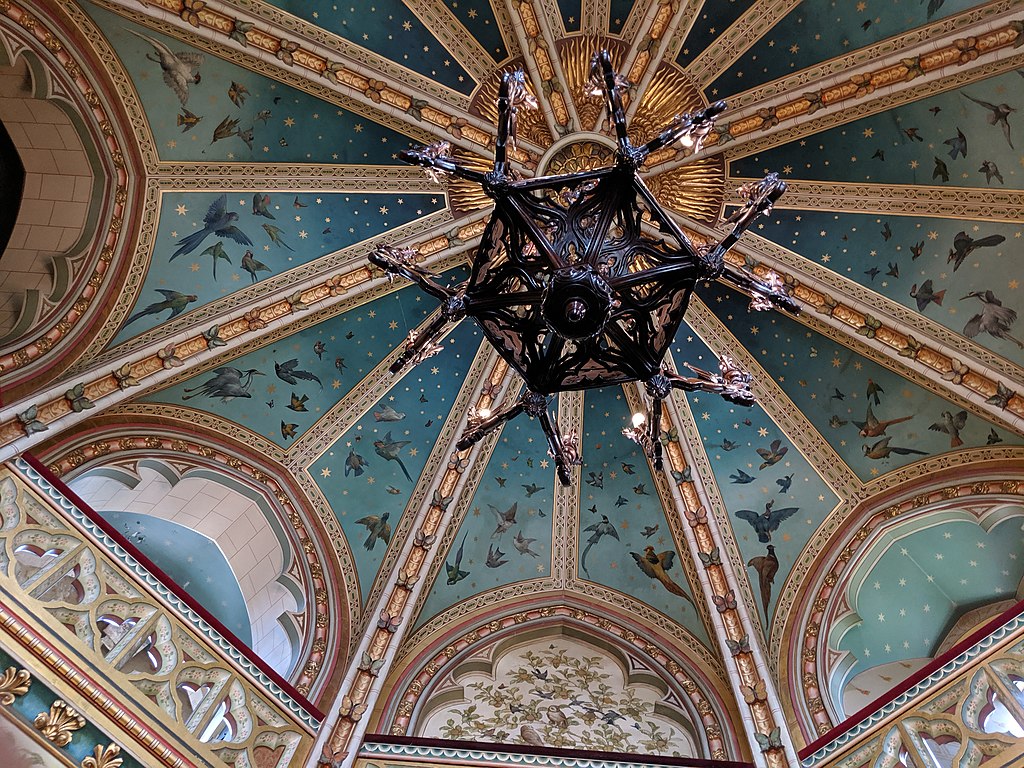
[435, 236]
[278, 316]
[332, 69]
[565, 516]
[540, 60]
[938, 351]
[924, 70]
[734, 41]
[292, 178]
[661, 23]
[960, 203]
[595, 16]
[735, 629]
[46, 344]
[457, 40]
[344, 725]
[772, 398]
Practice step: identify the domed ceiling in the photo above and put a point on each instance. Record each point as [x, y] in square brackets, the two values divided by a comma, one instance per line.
[265, 168]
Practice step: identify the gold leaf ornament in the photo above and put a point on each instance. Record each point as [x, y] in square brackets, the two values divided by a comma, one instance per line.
[60, 723]
[104, 757]
[13, 683]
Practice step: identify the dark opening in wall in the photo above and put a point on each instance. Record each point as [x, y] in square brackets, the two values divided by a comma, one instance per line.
[12, 186]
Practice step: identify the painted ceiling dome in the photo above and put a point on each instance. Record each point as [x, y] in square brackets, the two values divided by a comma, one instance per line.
[189, 287]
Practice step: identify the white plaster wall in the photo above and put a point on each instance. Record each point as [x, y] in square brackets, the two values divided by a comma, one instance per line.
[234, 522]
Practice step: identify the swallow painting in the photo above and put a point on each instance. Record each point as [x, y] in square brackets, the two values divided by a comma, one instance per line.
[454, 572]
[505, 520]
[290, 373]
[598, 531]
[173, 300]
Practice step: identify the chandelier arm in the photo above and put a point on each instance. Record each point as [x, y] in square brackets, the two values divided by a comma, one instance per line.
[420, 346]
[419, 276]
[477, 428]
[543, 182]
[774, 293]
[556, 449]
[659, 273]
[442, 164]
[502, 301]
[692, 129]
[614, 101]
[505, 127]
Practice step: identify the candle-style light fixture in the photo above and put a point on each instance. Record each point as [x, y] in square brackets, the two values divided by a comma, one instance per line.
[582, 279]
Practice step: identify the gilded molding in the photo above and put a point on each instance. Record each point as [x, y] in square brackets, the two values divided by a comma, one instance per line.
[41, 37]
[14, 683]
[60, 723]
[108, 756]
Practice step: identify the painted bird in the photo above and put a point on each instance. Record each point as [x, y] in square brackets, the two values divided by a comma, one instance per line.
[998, 114]
[598, 531]
[994, 319]
[454, 572]
[289, 373]
[766, 566]
[354, 463]
[957, 144]
[990, 170]
[275, 236]
[993, 437]
[739, 477]
[911, 133]
[916, 250]
[873, 427]
[505, 520]
[873, 390]
[522, 545]
[531, 736]
[339, 363]
[838, 395]
[377, 527]
[894, 269]
[180, 69]
[288, 430]
[964, 245]
[951, 424]
[252, 266]
[298, 403]
[882, 450]
[773, 454]
[621, 501]
[261, 206]
[218, 221]
[872, 273]
[173, 300]
[225, 129]
[940, 171]
[768, 521]
[532, 488]
[217, 252]
[640, 490]
[557, 717]
[388, 414]
[227, 383]
[494, 557]
[886, 232]
[835, 422]
[298, 203]
[596, 480]
[650, 530]
[926, 295]
[189, 120]
[318, 349]
[785, 482]
[237, 93]
[656, 566]
[628, 468]
[388, 449]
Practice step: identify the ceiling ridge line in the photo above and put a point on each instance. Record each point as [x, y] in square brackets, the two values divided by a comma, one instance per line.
[528, 32]
[430, 231]
[839, 476]
[19, 430]
[485, 365]
[362, 685]
[566, 502]
[830, 101]
[940, 364]
[651, 44]
[504, 21]
[547, 56]
[446, 27]
[359, 86]
[737, 38]
[887, 53]
[748, 673]
[637, 403]
[994, 204]
[595, 17]
[292, 177]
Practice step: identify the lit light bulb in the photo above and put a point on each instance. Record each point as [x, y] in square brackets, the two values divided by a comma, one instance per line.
[484, 413]
[686, 140]
[638, 419]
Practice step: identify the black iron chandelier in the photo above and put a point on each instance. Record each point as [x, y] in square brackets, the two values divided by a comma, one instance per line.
[582, 279]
